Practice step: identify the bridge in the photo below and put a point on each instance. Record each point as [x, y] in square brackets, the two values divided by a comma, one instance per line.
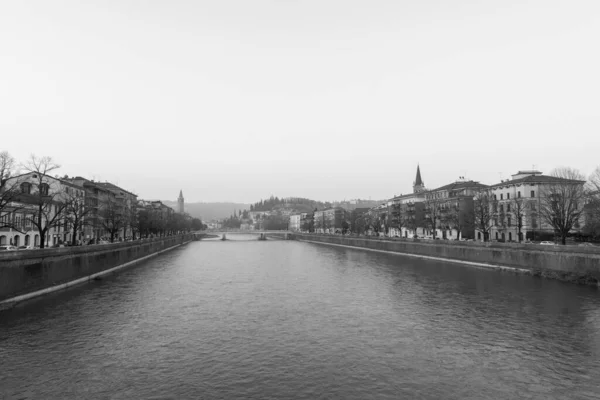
[226, 234]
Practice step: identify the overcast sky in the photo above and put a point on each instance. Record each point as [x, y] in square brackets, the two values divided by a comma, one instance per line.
[238, 100]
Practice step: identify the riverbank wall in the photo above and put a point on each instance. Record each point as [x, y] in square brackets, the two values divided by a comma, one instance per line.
[567, 263]
[30, 273]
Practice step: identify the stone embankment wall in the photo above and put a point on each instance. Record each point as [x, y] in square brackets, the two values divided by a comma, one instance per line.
[568, 263]
[280, 235]
[30, 273]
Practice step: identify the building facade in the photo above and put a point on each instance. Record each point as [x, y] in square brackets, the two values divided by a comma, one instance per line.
[516, 207]
[449, 210]
[40, 198]
[295, 222]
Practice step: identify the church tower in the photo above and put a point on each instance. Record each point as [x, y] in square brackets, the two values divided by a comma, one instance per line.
[418, 185]
[180, 203]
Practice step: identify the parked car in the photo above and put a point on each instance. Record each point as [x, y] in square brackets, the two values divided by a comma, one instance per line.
[547, 243]
[8, 248]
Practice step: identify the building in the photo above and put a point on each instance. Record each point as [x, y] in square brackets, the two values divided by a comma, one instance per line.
[307, 222]
[37, 192]
[121, 208]
[516, 205]
[180, 203]
[330, 220]
[407, 211]
[451, 209]
[295, 222]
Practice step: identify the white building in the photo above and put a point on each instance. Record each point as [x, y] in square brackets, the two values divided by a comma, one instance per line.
[295, 222]
[17, 227]
[524, 190]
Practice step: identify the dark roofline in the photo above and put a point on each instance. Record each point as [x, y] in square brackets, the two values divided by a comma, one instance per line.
[460, 185]
[109, 185]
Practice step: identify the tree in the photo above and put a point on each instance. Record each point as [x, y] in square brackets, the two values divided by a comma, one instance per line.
[593, 203]
[197, 224]
[562, 201]
[518, 207]
[451, 218]
[345, 227]
[9, 190]
[46, 196]
[483, 213]
[112, 215]
[432, 214]
[357, 222]
[143, 223]
[76, 213]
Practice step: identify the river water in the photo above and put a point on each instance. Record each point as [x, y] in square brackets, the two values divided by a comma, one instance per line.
[290, 320]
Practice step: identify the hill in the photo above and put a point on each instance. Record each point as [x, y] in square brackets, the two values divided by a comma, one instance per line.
[209, 211]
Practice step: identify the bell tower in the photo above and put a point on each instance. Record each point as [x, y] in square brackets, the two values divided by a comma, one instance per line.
[180, 203]
[418, 185]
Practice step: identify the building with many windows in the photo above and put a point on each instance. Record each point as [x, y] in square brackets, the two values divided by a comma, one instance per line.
[449, 210]
[39, 199]
[330, 220]
[516, 205]
[406, 211]
[295, 222]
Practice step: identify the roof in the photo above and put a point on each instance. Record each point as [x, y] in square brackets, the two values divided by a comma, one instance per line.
[536, 179]
[418, 180]
[111, 186]
[460, 185]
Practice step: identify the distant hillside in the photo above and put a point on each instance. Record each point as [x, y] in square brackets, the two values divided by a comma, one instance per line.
[209, 211]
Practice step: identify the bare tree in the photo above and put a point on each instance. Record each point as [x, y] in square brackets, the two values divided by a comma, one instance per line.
[593, 200]
[133, 219]
[453, 219]
[483, 213]
[113, 218]
[594, 182]
[519, 208]
[77, 213]
[46, 196]
[9, 190]
[432, 214]
[563, 200]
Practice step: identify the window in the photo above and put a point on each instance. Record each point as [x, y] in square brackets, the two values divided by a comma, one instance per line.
[501, 208]
[533, 222]
[44, 189]
[495, 221]
[501, 196]
[508, 196]
[508, 208]
[533, 193]
[532, 206]
[496, 235]
[26, 187]
[508, 221]
[519, 194]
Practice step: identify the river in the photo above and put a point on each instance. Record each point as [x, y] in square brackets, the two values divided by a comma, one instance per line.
[245, 319]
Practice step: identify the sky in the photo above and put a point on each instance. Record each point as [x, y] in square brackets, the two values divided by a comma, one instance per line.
[237, 100]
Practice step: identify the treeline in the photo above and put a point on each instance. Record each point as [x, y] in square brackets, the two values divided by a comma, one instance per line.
[274, 202]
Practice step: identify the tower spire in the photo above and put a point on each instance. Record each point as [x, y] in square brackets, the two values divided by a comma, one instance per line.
[418, 186]
[418, 181]
[180, 203]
